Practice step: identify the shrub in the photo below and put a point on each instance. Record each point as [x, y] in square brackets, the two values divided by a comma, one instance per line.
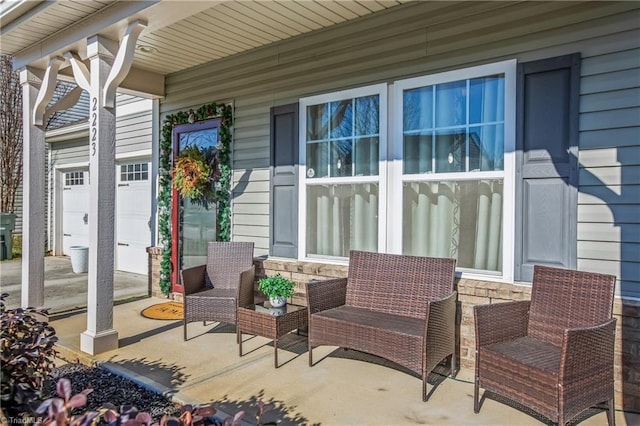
[27, 346]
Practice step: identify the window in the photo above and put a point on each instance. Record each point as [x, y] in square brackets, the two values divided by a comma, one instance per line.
[449, 191]
[456, 137]
[343, 145]
[134, 172]
[74, 178]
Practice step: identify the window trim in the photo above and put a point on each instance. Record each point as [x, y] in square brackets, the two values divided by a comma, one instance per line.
[380, 179]
[508, 68]
[391, 173]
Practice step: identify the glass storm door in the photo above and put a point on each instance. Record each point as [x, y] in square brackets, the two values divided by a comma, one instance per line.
[193, 221]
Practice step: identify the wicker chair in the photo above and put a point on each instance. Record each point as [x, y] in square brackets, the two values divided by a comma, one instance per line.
[553, 354]
[213, 292]
[401, 308]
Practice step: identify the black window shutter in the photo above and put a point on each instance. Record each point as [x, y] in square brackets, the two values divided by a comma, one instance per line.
[283, 229]
[547, 164]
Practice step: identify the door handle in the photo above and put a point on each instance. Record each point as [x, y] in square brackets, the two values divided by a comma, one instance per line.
[66, 235]
[123, 244]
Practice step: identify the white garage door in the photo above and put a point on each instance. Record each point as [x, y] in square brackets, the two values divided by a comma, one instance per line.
[133, 217]
[75, 210]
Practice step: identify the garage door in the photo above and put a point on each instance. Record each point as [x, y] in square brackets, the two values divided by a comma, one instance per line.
[133, 217]
[75, 210]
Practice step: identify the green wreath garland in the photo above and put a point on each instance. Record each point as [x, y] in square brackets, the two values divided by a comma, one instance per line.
[222, 190]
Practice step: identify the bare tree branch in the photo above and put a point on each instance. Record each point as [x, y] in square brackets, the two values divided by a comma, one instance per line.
[10, 135]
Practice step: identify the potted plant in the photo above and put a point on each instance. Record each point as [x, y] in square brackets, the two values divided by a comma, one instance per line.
[277, 288]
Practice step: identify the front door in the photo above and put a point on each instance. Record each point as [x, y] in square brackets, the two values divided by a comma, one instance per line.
[193, 220]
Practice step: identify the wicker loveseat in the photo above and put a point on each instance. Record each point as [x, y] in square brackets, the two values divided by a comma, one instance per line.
[555, 353]
[398, 307]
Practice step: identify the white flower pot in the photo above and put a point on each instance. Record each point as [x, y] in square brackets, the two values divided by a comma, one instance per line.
[277, 302]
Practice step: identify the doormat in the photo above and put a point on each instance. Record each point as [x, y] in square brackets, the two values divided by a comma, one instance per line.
[164, 311]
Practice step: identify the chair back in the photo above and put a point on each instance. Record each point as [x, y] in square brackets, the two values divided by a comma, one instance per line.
[565, 298]
[225, 262]
[397, 284]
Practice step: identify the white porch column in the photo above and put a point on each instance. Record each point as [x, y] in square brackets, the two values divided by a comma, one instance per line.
[33, 194]
[110, 64]
[100, 335]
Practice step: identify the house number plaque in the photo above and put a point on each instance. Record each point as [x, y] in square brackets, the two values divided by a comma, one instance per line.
[94, 124]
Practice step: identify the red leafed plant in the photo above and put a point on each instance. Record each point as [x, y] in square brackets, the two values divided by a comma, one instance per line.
[58, 412]
[58, 409]
[27, 354]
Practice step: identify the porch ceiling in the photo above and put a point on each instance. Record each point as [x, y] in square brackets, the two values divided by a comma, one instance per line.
[180, 34]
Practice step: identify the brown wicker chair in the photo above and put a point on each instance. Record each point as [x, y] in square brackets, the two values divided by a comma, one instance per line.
[213, 292]
[553, 354]
[401, 308]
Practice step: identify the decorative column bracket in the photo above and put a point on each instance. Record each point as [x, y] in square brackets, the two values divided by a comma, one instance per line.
[122, 62]
[46, 90]
[80, 71]
[69, 100]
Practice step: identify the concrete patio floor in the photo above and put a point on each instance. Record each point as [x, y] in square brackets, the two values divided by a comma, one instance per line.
[343, 388]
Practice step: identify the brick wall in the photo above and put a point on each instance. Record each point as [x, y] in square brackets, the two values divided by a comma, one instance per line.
[470, 293]
[155, 257]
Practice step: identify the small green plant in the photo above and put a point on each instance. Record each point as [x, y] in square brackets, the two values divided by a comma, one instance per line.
[276, 286]
[27, 357]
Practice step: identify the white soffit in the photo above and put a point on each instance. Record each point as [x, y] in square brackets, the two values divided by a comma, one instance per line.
[180, 34]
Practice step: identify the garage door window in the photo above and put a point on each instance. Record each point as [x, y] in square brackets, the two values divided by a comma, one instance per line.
[134, 172]
[73, 178]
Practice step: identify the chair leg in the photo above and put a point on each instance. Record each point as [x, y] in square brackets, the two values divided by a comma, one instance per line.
[310, 355]
[476, 392]
[425, 396]
[185, 329]
[611, 413]
[454, 365]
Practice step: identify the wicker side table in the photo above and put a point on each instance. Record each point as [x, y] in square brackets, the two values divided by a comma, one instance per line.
[272, 323]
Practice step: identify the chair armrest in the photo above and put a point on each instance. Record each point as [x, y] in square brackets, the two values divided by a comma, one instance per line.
[587, 351]
[323, 295]
[499, 322]
[440, 328]
[246, 287]
[193, 279]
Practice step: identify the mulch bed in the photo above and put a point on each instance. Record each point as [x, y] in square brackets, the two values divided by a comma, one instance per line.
[110, 388]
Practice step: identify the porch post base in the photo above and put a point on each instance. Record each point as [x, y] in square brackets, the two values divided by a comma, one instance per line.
[95, 343]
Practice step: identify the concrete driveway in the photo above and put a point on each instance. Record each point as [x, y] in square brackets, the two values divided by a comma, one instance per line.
[65, 290]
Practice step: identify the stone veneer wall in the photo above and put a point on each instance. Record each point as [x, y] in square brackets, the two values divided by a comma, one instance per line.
[155, 257]
[470, 293]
